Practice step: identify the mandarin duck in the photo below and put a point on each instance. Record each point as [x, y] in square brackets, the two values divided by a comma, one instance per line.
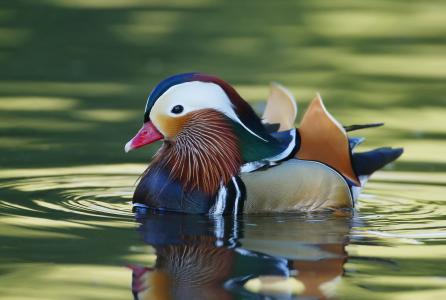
[219, 157]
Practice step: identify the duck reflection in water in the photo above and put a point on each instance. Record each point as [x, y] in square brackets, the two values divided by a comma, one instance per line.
[251, 257]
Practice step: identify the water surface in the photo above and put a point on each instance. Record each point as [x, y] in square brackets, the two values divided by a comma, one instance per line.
[75, 238]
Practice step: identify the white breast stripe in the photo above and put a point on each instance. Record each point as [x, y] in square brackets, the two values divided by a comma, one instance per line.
[237, 196]
[220, 203]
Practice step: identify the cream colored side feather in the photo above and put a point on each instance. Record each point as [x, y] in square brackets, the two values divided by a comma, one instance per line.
[295, 185]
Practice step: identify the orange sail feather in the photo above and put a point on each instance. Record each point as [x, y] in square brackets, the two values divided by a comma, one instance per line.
[323, 139]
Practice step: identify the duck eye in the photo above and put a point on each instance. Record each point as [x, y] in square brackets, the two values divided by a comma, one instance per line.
[177, 109]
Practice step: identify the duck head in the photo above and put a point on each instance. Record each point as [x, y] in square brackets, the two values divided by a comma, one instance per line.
[206, 127]
[175, 100]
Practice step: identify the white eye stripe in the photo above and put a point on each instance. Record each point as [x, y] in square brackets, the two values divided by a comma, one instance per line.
[196, 95]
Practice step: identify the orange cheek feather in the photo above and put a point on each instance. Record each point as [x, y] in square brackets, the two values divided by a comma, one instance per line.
[171, 126]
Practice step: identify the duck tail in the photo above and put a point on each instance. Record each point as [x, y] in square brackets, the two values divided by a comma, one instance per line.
[365, 163]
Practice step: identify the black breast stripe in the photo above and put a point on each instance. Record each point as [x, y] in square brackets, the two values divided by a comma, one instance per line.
[235, 197]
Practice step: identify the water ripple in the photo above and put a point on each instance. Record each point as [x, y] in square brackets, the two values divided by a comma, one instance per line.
[404, 210]
[93, 195]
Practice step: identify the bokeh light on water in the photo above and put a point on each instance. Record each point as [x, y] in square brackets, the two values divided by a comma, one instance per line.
[73, 79]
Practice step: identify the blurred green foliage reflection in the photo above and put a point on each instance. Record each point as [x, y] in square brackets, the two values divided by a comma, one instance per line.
[75, 74]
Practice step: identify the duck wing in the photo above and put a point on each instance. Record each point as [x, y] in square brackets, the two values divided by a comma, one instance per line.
[281, 109]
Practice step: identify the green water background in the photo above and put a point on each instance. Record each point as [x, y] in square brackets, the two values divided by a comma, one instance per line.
[74, 76]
